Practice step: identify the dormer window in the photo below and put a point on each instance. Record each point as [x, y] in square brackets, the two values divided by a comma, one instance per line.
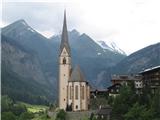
[64, 60]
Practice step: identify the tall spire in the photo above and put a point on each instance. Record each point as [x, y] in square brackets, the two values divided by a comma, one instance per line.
[64, 37]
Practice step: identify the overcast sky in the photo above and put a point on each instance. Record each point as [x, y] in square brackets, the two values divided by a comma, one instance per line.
[131, 24]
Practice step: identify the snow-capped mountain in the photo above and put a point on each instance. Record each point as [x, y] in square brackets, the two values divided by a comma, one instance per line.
[32, 59]
[111, 46]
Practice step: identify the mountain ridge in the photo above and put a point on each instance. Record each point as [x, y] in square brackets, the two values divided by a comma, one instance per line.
[85, 52]
[96, 63]
[142, 58]
[111, 46]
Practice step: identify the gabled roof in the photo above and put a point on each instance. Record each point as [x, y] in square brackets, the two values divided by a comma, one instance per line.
[77, 75]
[64, 37]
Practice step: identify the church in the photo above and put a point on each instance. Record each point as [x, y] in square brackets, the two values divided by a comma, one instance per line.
[74, 90]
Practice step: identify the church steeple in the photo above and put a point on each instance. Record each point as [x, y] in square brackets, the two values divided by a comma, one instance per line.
[64, 37]
[74, 91]
[64, 66]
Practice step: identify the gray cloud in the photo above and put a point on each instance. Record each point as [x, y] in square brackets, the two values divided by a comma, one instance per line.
[124, 22]
[41, 16]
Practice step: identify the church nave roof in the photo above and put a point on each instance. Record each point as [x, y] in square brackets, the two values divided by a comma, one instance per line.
[77, 75]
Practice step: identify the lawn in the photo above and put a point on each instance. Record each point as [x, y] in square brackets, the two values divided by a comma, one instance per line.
[38, 110]
[35, 108]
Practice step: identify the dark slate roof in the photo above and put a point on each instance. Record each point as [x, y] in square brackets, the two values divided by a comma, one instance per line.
[64, 37]
[117, 85]
[77, 75]
[126, 77]
[150, 69]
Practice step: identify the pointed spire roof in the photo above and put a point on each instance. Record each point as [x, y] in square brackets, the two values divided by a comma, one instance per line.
[64, 37]
[77, 75]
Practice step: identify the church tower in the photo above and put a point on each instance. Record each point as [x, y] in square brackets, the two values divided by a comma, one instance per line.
[64, 66]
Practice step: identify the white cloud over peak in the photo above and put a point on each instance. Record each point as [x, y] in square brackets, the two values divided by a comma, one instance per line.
[131, 24]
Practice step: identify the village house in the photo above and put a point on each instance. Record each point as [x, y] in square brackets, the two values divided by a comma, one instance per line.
[147, 78]
[98, 93]
[151, 78]
[127, 79]
[114, 89]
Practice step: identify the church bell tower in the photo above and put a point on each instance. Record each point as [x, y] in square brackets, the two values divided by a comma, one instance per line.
[64, 66]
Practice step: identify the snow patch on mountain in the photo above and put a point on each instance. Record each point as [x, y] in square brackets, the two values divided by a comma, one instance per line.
[31, 29]
[24, 23]
[116, 48]
[99, 53]
[111, 46]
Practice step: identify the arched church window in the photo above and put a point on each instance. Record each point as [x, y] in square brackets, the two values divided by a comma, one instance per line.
[83, 92]
[76, 91]
[70, 92]
[64, 60]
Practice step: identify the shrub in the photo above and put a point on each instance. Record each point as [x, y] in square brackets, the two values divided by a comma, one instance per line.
[139, 112]
[26, 116]
[61, 115]
[8, 116]
[18, 109]
[6, 103]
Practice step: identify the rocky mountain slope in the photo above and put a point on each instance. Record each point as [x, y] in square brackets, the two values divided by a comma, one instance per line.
[33, 65]
[133, 64]
[91, 57]
[22, 76]
[140, 60]
[32, 60]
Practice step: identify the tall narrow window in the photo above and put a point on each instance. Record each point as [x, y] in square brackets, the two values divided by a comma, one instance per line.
[83, 92]
[64, 60]
[76, 91]
[70, 92]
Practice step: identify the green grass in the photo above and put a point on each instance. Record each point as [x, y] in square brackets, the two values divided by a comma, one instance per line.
[35, 108]
[38, 110]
